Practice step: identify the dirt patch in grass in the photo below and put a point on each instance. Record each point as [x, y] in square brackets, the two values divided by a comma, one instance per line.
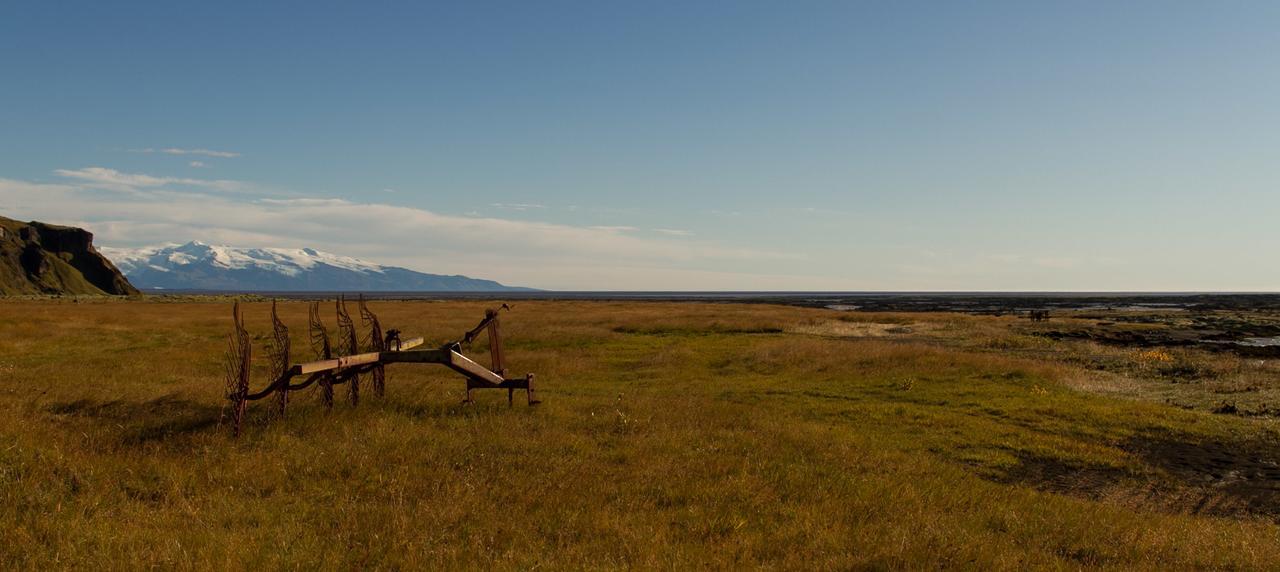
[1176, 475]
[843, 329]
[1102, 382]
[1062, 476]
[662, 330]
[1219, 478]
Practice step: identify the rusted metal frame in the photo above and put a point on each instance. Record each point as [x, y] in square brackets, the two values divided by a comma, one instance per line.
[313, 378]
[504, 384]
[317, 370]
[448, 356]
[510, 384]
[491, 323]
[477, 376]
[350, 374]
[489, 316]
[480, 378]
[240, 356]
[331, 371]
[440, 355]
[473, 333]
[342, 376]
[280, 384]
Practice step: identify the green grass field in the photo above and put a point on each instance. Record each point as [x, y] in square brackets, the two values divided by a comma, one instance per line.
[671, 435]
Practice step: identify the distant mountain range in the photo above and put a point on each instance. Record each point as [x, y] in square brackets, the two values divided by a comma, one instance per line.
[200, 266]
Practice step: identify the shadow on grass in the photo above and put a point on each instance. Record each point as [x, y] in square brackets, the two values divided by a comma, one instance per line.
[146, 421]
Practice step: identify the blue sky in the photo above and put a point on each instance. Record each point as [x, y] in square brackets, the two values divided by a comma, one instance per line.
[673, 146]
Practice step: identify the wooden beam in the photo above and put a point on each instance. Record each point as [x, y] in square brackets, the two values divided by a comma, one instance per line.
[336, 363]
[495, 347]
[357, 359]
[462, 364]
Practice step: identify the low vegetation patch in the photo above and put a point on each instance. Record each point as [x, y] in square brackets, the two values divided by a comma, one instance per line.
[672, 435]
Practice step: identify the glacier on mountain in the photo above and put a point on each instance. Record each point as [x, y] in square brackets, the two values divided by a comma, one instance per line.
[200, 266]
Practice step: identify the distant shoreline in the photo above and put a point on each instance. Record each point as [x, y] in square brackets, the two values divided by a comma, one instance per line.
[970, 302]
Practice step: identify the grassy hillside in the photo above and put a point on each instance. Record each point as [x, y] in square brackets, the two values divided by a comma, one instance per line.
[671, 436]
[39, 258]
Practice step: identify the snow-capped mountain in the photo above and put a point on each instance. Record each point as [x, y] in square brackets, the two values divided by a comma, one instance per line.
[200, 266]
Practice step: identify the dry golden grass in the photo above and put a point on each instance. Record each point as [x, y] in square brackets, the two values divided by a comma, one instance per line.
[672, 436]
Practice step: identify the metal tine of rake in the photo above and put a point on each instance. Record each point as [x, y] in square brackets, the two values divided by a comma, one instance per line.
[348, 344]
[237, 364]
[278, 354]
[374, 343]
[324, 350]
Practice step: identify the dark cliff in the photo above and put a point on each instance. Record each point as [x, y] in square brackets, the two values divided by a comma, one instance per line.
[39, 258]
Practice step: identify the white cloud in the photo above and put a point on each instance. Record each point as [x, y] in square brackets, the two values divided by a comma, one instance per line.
[15, 187]
[516, 206]
[198, 164]
[1005, 258]
[614, 228]
[102, 177]
[818, 210]
[179, 151]
[1061, 262]
[530, 238]
[520, 252]
[673, 232]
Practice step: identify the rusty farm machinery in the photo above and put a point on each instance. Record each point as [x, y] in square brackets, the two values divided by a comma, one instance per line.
[349, 359]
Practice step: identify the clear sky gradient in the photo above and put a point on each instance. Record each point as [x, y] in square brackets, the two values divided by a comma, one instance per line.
[672, 146]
